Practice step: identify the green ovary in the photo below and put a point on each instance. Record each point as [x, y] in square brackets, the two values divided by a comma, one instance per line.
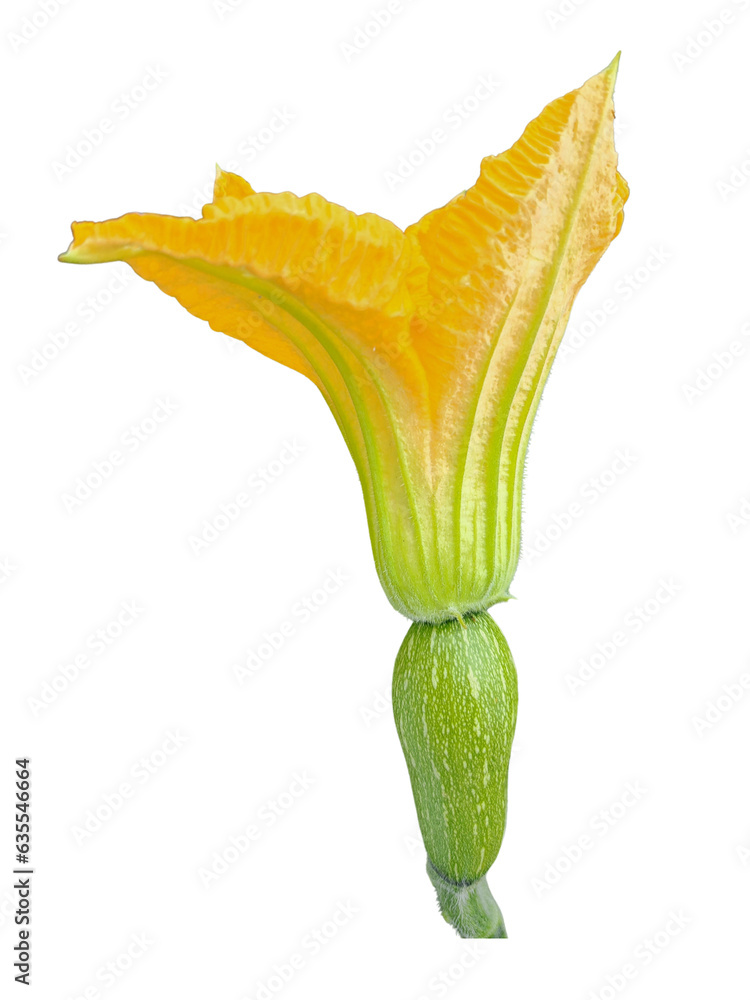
[455, 698]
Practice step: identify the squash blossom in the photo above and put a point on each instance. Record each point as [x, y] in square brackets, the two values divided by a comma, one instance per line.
[431, 347]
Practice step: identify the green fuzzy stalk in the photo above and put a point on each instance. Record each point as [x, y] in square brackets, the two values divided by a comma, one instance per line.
[454, 700]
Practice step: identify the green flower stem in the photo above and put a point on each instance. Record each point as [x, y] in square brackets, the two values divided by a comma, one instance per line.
[471, 908]
[455, 698]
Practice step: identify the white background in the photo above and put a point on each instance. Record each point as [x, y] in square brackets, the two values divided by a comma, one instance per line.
[316, 707]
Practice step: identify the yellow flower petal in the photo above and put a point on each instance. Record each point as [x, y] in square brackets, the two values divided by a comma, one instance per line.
[506, 259]
[320, 289]
[431, 347]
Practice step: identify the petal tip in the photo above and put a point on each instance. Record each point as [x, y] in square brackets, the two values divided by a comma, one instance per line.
[608, 76]
[609, 73]
[76, 252]
[71, 255]
[228, 184]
